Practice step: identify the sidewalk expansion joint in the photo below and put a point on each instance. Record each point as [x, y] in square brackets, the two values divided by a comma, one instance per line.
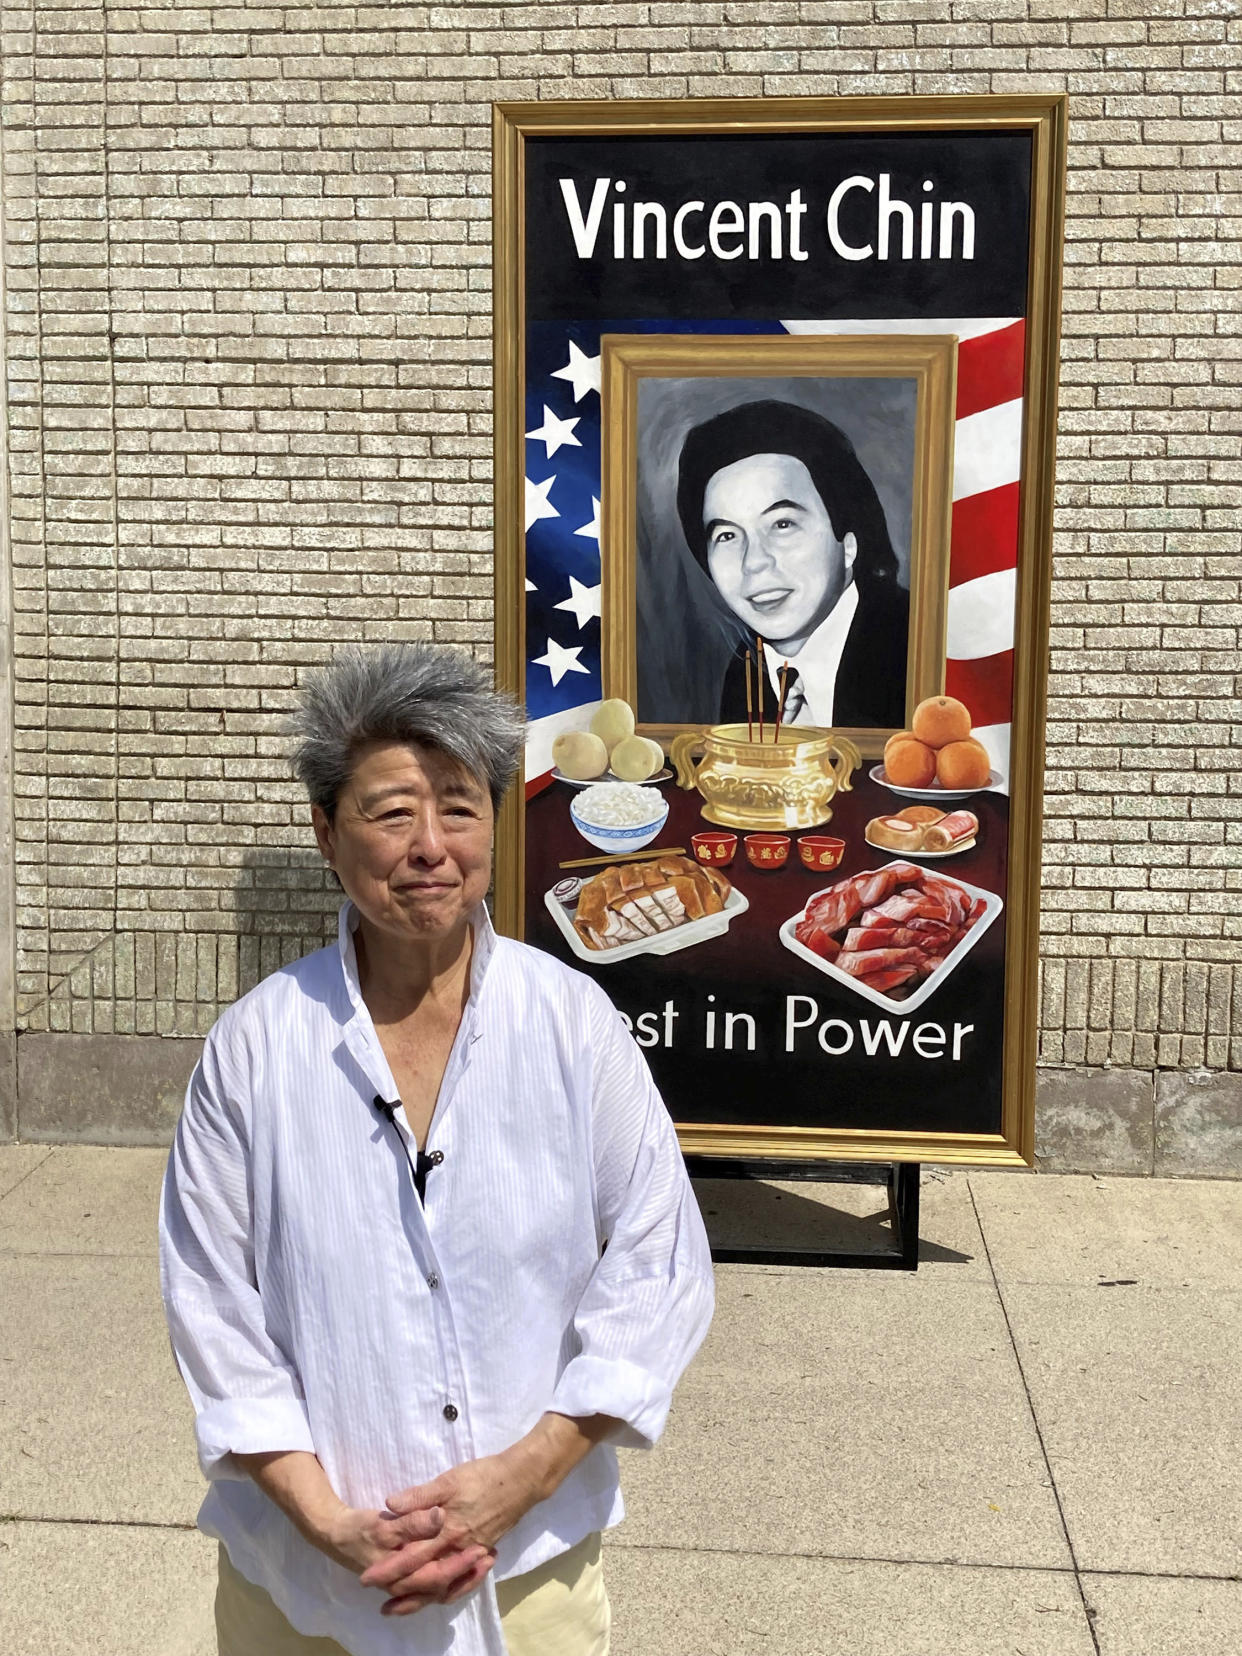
[95, 1523]
[1088, 1613]
[74, 1253]
[619, 1544]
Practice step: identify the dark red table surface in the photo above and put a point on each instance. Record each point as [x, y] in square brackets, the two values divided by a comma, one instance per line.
[751, 949]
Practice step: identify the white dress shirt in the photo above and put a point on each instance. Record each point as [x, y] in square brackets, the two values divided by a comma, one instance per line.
[314, 1303]
[818, 663]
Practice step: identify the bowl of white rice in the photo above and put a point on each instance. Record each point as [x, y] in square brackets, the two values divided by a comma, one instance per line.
[618, 816]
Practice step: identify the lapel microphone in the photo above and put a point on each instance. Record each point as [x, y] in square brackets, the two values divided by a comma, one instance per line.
[421, 1163]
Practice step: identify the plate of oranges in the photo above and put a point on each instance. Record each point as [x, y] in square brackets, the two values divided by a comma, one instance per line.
[937, 758]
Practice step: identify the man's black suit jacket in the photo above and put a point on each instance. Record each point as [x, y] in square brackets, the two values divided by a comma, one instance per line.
[871, 680]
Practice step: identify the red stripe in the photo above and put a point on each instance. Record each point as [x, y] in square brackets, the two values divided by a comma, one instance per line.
[537, 784]
[985, 685]
[985, 534]
[990, 369]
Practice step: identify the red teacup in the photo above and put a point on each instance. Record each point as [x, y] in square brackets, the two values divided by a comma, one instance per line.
[768, 850]
[820, 851]
[714, 847]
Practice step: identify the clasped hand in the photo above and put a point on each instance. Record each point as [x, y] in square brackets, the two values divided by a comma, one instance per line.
[437, 1541]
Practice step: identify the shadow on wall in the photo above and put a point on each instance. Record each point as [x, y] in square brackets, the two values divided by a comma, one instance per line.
[287, 905]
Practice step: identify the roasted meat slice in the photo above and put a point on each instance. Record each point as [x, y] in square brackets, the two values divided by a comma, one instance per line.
[627, 903]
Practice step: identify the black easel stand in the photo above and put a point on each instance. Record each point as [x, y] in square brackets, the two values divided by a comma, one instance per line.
[900, 1178]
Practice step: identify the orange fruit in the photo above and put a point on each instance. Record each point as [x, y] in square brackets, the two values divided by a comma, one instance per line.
[898, 736]
[963, 765]
[940, 720]
[910, 764]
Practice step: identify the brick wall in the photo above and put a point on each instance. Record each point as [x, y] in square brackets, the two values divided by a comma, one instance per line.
[248, 359]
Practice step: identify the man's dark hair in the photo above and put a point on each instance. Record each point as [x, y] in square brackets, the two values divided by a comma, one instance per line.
[771, 427]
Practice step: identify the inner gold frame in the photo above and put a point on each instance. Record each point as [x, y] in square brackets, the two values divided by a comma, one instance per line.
[928, 359]
[1045, 117]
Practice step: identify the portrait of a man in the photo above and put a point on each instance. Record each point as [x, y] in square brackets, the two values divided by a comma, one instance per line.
[779, 512]
[793, 489]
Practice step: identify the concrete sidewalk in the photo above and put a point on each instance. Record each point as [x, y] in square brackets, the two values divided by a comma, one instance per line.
[1030, 1448]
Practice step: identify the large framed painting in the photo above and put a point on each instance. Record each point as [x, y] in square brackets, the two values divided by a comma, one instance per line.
[774, 426]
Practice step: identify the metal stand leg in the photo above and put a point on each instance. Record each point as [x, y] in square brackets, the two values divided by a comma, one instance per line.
[903, 1208]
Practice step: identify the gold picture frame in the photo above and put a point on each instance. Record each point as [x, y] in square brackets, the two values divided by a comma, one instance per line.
[929, 360]
[1043, 118]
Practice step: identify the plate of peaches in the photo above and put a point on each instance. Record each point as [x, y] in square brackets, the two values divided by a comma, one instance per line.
[937, 758]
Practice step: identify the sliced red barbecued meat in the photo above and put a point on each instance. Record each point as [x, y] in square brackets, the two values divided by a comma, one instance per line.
[900, 908]
[897, 983]
[884, 937]
[835, 907]
[866, 962]
[908, 921]
[930, 929]
[817, 938]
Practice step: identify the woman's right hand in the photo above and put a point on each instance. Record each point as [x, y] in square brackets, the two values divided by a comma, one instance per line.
[433, 1570]
[357, 1538]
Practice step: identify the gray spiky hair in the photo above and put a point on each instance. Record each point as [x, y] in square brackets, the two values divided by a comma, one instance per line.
[420, 694]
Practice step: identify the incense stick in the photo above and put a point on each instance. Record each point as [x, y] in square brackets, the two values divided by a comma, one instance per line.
[780, 711]
[750, 709]
[626, 856]
[761, 673]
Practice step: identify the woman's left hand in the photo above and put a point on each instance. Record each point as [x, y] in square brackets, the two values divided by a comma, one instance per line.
[480, 1499]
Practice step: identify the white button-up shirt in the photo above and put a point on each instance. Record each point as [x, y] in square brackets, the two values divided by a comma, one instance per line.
[314, 1303]
[818, 663]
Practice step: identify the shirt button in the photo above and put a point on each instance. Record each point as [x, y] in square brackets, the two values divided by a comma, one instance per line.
[450, 1411]
[433, 1280]
[436, 1157]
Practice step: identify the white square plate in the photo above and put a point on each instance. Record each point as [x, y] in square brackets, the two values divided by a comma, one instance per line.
[929, 985]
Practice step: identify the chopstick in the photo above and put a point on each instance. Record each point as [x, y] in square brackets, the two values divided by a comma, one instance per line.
[626, 856]
[780, 711]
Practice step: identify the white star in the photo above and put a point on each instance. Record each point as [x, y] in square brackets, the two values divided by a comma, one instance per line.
[537, 503]
[582, 600]
[530, 585]
[560, 661]
[581, 371]
[554, 433]
[591, 530]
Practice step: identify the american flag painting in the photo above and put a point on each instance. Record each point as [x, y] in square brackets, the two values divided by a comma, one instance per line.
[563, 497]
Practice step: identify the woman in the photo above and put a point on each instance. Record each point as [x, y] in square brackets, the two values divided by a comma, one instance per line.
[428, 1249]
[779, 512]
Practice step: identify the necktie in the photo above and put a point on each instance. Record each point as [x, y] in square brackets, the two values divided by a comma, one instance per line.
[795, 697]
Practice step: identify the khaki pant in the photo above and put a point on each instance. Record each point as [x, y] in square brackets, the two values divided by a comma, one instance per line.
[559, 1609]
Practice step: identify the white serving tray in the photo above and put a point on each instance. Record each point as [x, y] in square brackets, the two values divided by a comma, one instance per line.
[663, 943]
[929, 985]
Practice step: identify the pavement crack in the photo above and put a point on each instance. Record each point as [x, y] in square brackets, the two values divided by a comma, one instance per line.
[1088, 1610]
[29, 1173]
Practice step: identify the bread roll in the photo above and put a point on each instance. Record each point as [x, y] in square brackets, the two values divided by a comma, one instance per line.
[895, 834]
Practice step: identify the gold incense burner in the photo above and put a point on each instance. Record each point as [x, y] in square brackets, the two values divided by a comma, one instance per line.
[768, 785]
